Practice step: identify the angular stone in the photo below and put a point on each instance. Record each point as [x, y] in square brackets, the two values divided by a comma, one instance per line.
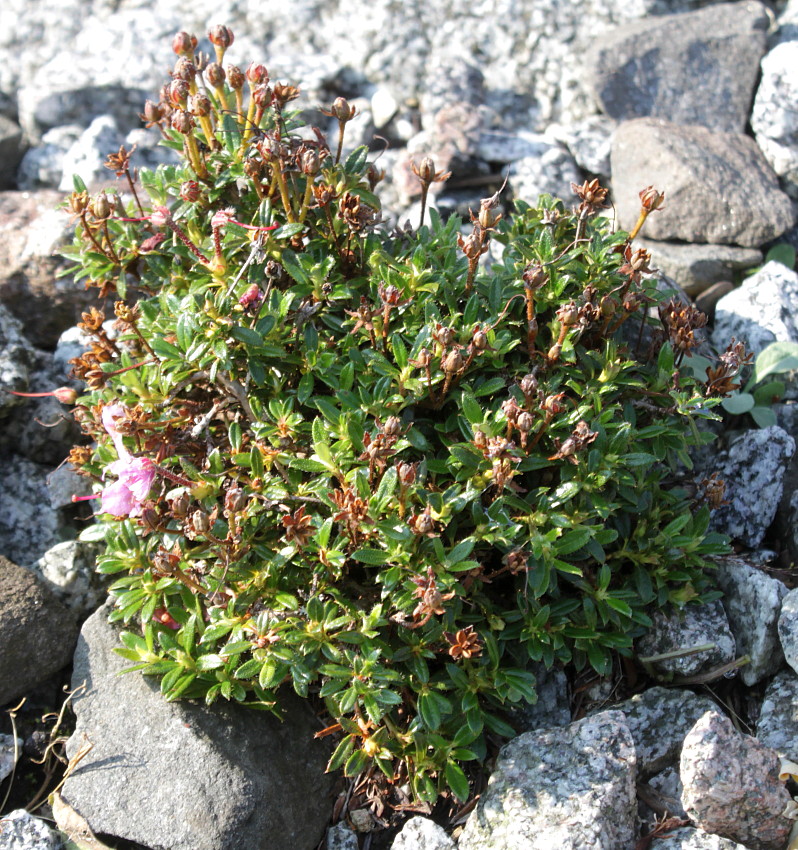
[752, 601]
[422, 834]
[37, 633]
[341, 837]
[69, 570]
[20, 830]
[12, 149]
[687, 838]
[185, 776]
[86, 156]
[718, 187]
[753, 469]
[28, 525]
[552, 707]
[774, 119]
[568, 788]
[650, 68]
[9, 746]
[551, 173]
[589, 142]
[696, 267]
[691, 626]
[777, 726]
[788, 628]
[32, 231]
[658, 719]
[668, 785]
[760, 311]
[731, 785]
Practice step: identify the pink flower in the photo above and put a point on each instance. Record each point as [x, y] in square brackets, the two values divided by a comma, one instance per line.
[135, 475]
[126, 496]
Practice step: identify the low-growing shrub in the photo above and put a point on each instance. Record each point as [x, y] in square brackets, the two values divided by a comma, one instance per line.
[366, 464]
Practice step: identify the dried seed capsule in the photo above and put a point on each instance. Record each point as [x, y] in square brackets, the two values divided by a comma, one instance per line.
[182, 122]
[101, 208]
[529, 385]
[200, 104]
[215, 74]
[235, 500]
[480, 439]
[180, 505]
[235, 77]
[525, 422]
[406, 473]
[184, 69]
[200, 521]
[453, 362]
[480, 339]
[392, 426]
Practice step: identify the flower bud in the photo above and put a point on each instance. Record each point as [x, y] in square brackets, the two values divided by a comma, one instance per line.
[200, 521]
[406, 473]
[310, 162]
[608, 306]
[182, 122]
[423, 359]
[525, 422]
[262, 95]
[153, 112]
[66, 395]
[235, 77]
[480, 339]
[534, 276]
[221, 36]
[256, 74]
[453, 362]
[235, 500]
[651, 199]
[150, 518]
[178, 92]
[200, 104]
[183, 44]
[480, 439]
[423, 524]
[180, 505]
[392, 426]
[215, 74]
[101, 208]
[190, 191]
[529, 385]
[343, 110]
[426, 171]
[184, 69]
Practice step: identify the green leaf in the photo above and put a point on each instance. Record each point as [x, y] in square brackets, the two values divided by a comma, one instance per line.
[777, 357]
[246, 335]
[763, 416]
[456, 780]
[738, 403]
[375, 557]
[782, 252]
[473, 412]
[428, 710]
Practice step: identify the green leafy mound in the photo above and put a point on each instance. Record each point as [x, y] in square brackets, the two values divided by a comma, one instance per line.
[363, 463]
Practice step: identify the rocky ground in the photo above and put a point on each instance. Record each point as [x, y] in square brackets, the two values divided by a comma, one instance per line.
[698, 98]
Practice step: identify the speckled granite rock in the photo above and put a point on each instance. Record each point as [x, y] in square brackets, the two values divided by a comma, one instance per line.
[566, 788]
[753, 468]
[752, 601]
[692, 626]
[777, 726]
[788, 628]
[731, 785]
[658, 719]
[341, 837]
[422, 834]
[687, 838]
[552, 707]
[20, 830]
[760, 311]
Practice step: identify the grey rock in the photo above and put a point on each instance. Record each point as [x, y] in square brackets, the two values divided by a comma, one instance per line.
[552, 707]
[422, 834]
[63, 483]
[566, 788]
[20, 830]
[651, 68]
[37, 632]
[692, 626]
[341, 837]
[88, 152]
[500, 146]
[668, 784]
[28, 526]
[32, 231]
[687, 838]
[752, 601]
[658, 719]
[731, 785]
[69, 571]
[550, 173]
[760, 311]
[12, 149]
[719, 187]
[16, 358]
[753, 469]
[777, 725]
[10, 749]
[696, 267]
[384, 106]
[184, 776]
[589, 142]
[43, 166]
[788, 628]
[774, 119]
